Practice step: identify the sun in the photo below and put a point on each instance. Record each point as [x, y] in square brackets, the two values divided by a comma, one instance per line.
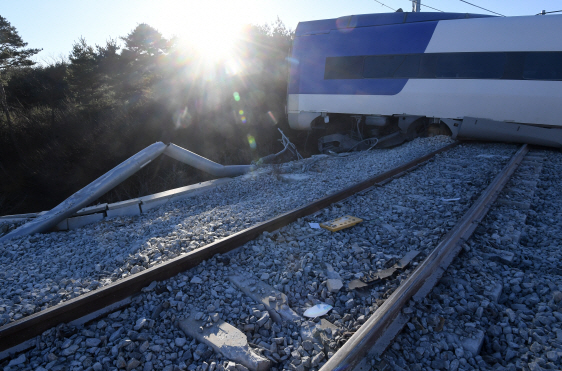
[216, 43]
[211, 28]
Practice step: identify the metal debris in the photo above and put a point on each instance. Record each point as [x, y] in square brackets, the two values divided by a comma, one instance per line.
[383, 274]
[356, 284]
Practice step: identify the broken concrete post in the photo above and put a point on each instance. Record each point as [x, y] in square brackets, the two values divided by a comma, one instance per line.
[334, 285]
[227, 340]
[334, 282]
[275, 301]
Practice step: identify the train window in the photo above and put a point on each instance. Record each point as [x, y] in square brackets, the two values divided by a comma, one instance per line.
[409, 67]
[514, 65]
[382, 66]
[427, 66]
[470, 65]
[343, 68]
[480, 65]
[543, 66]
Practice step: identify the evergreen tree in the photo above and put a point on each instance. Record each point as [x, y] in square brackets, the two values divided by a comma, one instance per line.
[83, 70]
[12, 47]
[143, 48]
[143, 61]
[12, 54]
[146, 41]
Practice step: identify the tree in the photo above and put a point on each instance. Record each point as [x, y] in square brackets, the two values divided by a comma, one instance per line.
[12, 54]
[142, 58]
[12, 47]
[93, 71]
[143, 48]
[109, 58]
[83, 69]
[39, 86]
[145, 40]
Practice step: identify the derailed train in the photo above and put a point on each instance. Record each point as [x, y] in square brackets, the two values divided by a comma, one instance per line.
[394, 76]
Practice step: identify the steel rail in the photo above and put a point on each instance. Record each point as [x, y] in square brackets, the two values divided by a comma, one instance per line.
[387, 321]
[16, 333]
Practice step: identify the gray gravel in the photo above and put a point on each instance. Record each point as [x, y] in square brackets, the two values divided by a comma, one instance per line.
[412, 212]
[42, 270]
[514, 307]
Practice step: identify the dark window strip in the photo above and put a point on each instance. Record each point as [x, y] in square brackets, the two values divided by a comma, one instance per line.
[482, 65]
[344, 68]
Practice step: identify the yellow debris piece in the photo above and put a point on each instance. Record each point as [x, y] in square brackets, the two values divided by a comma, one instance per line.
[341, 223]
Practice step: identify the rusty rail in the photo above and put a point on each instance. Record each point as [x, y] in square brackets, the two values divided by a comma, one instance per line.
[387, 321]
[17, 332]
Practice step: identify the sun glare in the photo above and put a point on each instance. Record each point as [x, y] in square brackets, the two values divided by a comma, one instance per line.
[215, 43]
[211, 28]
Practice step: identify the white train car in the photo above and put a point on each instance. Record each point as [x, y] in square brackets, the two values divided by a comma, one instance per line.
[396, 75]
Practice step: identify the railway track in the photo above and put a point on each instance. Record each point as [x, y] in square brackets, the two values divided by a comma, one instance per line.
[499, 304]
[41, 271]
[85, 305]
[298, 272]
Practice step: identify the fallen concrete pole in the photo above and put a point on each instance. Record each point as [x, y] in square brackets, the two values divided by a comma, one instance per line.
[204, 164]
[115, 176]
[90, 193]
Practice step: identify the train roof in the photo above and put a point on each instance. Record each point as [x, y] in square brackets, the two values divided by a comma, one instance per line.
[377, 19]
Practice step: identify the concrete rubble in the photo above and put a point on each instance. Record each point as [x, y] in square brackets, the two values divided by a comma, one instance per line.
[225, 339]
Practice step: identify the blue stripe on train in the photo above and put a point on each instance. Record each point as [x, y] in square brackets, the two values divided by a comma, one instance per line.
[310, 52]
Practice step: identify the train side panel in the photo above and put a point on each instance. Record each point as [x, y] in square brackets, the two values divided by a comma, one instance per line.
[519, 100]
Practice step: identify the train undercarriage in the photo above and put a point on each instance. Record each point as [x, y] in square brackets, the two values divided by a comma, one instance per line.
[338, 133]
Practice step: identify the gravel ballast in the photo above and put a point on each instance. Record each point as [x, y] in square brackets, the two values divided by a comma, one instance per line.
[504, 291]
[410, 213]
[42, 270]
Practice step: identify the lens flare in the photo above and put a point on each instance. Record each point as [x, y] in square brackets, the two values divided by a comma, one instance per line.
[181, 118]
[243, 118]
[252, 141]
[272, 117]
[232, 67]
[292, 60]
[346, 24]
[236, 96]
[241, 112]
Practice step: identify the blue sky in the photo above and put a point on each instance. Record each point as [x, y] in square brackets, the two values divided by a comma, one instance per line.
[55, 25]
